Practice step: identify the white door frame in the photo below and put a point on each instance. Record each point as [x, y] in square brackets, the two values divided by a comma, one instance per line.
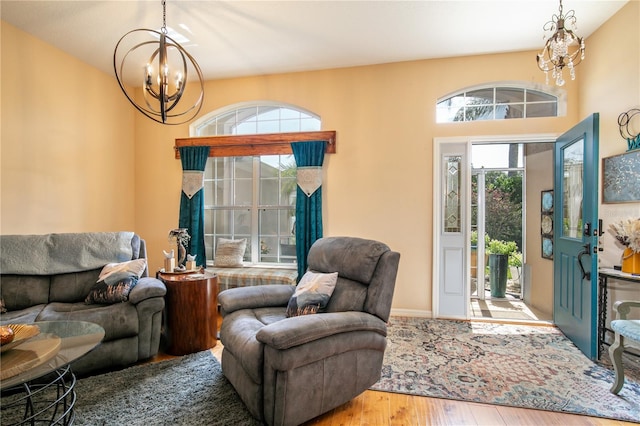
[439, 275]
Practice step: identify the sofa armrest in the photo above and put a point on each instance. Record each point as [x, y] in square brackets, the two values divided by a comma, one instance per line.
[262, 296]
[299, 330]
[623, 307]
[146, 288]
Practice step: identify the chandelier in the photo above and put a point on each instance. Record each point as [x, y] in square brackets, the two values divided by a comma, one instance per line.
[562, 49]
[156, 62]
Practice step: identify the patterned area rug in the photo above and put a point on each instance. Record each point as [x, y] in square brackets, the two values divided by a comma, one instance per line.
[504, 364]
[186, 391]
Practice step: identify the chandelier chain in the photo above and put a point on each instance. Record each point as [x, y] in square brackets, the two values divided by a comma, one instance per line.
[164, 17]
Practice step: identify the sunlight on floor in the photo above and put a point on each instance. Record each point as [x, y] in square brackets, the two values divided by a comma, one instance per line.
[508, 308]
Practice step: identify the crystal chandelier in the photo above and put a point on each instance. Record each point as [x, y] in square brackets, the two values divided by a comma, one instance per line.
[156, 62]
[562, 49]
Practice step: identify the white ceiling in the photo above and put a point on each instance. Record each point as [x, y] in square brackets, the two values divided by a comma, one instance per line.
[240, 38]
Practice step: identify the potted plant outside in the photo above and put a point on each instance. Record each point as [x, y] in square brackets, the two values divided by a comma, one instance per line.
[515, 266]
[499, 253]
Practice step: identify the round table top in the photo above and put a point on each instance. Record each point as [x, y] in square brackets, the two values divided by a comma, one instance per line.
[188, 276]
[72, 338]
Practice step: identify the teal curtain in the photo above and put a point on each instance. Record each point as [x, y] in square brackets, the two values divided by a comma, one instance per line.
[194, 160]
[309, 156]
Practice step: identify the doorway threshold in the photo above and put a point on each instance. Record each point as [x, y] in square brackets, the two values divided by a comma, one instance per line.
[506, 309]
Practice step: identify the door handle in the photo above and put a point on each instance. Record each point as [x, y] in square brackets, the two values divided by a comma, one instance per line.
[587, 251]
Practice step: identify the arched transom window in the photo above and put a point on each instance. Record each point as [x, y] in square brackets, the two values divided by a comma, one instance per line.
[500, 102]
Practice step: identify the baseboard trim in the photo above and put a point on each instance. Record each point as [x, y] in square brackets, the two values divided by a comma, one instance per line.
[411, 313]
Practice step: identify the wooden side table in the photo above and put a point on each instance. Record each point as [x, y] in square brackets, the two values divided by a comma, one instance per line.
[191, 312]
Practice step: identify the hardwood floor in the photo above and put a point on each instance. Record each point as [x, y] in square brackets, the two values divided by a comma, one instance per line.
[384, 408]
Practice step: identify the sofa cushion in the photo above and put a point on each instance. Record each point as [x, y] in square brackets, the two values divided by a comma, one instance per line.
[336, 254]
[240, 336]
[73, 287]
[229, 253]
[113, 273]
[349, 295]
[118, 320]
[22, 316]
[23, 291]
[312, 293]
[104, 293]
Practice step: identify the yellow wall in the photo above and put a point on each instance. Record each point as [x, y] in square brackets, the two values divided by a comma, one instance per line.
[610, 85]
[67, 162]
[378, 184]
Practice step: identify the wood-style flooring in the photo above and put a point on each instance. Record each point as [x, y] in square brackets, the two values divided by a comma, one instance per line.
[384, 408]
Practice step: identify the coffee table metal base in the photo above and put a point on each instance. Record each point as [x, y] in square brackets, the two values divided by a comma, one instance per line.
[49, 400]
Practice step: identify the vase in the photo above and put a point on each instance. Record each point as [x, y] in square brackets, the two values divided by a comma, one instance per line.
[498, 266]
[630, 261]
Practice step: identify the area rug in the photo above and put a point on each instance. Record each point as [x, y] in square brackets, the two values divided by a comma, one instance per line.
[514, 365]
[186, 391]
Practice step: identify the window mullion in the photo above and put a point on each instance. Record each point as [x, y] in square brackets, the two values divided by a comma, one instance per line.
[255, 211]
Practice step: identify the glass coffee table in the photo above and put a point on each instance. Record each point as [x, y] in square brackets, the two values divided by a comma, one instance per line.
[41, 388]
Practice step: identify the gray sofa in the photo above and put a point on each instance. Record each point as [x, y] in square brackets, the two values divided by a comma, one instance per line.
[47, 277]
[288, 370]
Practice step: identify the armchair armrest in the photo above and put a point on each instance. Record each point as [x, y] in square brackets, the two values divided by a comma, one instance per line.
[623, 307]
[147, 288]
[296, 331]
[263, 296]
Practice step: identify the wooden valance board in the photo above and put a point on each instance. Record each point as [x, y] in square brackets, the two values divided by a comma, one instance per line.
[262, 144]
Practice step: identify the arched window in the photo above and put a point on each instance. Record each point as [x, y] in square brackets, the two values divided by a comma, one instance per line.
[501, 101]
[255, 118]
[253, 197]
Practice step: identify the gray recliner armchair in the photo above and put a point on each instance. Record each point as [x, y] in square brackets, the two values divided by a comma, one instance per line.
[290, 370]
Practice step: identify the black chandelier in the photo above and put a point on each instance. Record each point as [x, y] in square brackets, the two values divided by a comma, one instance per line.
[163, 68]
[562, 49]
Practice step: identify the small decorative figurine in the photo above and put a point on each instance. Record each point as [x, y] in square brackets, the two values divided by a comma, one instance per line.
[169, 261]
[191, 262]
[181, 237]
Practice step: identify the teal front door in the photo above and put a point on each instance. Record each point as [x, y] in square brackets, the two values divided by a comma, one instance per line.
[576, 228]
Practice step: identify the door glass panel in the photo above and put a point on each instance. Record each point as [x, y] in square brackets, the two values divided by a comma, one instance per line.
[572, 165]
[451, 214]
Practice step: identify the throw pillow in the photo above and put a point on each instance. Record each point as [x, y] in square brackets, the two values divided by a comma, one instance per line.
[229, 253]
[3, 308]
[115, 272]
[104, 293]
[312, 293]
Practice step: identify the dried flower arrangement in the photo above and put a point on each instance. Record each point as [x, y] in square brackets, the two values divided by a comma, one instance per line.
[627, 232]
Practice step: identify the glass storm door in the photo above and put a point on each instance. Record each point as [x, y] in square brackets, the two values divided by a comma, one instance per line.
[576, 229]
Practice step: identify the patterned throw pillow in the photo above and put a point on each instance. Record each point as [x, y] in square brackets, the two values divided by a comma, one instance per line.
[115, 272]
[312, 293]
[229, 253]
[104, 293]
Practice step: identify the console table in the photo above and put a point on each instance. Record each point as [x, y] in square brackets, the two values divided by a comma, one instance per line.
[603, 276]
[191, 311]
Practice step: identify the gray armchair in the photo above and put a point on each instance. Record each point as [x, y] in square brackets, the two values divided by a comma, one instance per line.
[290, 370]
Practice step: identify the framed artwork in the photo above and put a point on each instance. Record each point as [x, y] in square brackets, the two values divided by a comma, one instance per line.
[546, 223]
[621, 178]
